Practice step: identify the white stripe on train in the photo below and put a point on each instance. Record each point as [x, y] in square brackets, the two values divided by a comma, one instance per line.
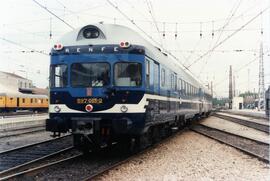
[132, 108]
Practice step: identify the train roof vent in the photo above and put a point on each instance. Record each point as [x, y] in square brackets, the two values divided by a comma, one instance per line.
[90, 32]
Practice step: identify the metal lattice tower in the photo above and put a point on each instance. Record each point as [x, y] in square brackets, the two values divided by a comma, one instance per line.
[261, 81]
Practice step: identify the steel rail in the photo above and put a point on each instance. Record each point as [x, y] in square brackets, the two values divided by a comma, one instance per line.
[251, 124]
[252, 147]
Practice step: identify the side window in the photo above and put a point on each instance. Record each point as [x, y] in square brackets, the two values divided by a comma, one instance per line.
[23, 100]
[162, 77]
[172, 81]
[188, 89]
[179, 84]
[184, 87]
[175, 82]
[147, 72]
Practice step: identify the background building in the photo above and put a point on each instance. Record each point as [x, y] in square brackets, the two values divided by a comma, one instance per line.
[12, 83]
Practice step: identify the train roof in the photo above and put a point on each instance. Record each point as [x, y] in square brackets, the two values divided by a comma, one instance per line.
[114, 34]
[13, 94]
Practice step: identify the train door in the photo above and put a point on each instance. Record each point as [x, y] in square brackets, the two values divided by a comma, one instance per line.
[156, 77]
[168, 101]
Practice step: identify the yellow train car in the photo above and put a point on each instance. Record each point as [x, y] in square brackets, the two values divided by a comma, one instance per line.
[13, 102]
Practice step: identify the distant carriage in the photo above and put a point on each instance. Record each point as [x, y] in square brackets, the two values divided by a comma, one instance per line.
[108, 84]
[17, 101]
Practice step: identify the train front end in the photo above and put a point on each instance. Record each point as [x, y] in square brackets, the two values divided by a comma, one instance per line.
[96, 89]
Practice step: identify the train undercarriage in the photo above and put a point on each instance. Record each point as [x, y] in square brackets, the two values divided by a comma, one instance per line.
[105, 138]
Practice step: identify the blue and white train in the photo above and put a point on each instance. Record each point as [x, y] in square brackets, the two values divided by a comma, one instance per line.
[107, 84]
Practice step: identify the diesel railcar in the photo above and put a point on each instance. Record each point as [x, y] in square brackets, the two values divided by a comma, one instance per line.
[108, 84]
[10, 102]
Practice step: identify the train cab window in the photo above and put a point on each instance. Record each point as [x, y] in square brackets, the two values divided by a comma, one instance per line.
[128, 74]
[58, 76]
[162, 77]
[90, 74]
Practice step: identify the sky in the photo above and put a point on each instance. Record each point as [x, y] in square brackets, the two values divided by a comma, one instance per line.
[208, 40]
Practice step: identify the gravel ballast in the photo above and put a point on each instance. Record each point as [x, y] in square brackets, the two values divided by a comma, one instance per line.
[191, 156]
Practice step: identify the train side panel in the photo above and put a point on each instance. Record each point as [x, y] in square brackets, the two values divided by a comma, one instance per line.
[2, 102]
[11, 102]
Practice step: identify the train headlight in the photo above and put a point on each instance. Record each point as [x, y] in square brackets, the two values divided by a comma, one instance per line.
[124, 109]
[58, 46]
[57, 109]
[89, 108]
[124, 44]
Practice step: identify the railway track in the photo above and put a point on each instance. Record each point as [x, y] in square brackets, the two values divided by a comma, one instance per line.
[20, 131]
[21, 114]
[245, 122]
[24, 156]
[252, 147]
[96, 164]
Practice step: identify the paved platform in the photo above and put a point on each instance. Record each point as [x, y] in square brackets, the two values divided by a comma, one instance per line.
[237, 129]
[248, 112]
[22, 121]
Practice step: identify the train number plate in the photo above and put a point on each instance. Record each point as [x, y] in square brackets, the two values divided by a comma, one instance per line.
[89, 101]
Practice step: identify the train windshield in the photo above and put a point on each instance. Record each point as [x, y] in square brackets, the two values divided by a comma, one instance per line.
[58, 77]
[128, 74]
[90, 74]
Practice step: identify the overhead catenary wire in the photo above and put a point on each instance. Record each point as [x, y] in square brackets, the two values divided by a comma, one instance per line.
[45, 8]
[132, 21]
[150, 10]
[213, 32]
[151, 38]
[231, 14]
[228, 37]
[23, 46]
